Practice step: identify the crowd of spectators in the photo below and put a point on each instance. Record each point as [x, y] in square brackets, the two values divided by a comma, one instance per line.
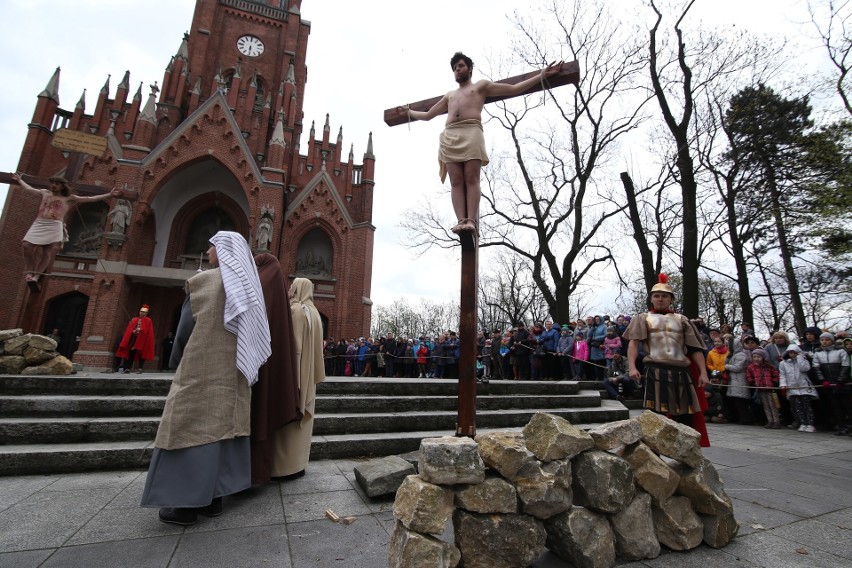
[775, 382]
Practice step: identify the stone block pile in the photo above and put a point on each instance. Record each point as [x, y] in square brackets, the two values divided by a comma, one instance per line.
[30, 354]
[619, 491]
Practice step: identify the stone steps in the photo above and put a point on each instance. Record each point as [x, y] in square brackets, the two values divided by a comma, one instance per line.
[108, 421]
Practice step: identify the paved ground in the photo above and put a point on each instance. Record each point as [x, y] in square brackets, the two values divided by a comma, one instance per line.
[792, 493]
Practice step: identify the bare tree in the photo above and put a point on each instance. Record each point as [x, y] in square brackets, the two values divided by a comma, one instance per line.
[508, 295]
[833, 21]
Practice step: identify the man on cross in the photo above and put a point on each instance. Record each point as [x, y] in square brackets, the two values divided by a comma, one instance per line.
[47, 233]
[462, 144]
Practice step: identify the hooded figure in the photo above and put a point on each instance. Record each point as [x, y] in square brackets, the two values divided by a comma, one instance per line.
[202, 448]
[293, 442]
[275, 400]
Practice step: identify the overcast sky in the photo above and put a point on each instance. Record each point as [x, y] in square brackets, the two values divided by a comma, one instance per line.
[363, 57]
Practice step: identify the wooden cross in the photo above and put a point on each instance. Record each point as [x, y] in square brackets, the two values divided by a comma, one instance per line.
[466, 422]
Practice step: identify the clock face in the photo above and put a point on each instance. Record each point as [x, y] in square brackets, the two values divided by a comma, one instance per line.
[250, 45]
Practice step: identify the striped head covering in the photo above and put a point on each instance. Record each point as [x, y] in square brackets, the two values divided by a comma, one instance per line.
[245, 310]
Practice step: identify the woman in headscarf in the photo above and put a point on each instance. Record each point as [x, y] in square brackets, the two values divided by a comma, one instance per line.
[275, 397]
[293, 442]
[202, 450]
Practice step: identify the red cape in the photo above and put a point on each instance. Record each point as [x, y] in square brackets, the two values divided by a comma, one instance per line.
[698, 422]
[144, 343]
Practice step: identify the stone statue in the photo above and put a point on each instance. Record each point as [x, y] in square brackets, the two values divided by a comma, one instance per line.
[264, 228]
[119, 216]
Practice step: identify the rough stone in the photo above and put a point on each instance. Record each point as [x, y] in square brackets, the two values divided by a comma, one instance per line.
[450, 460]
[602, 481]
[36, 356]
[704, 489]
[633, 528]
[7, 334]
[494, 495]
[12, 364]
[43, 342]
[504, 452]
[409, 549]
[582, 537]
[616, 435]
[719, 529]
[383, 475]
[551, 437]
[59, 365]
[498, 541]
[676, 524]
[652, 473]
[17, 344]
[422, 506]
[544, 490]
[669, 438]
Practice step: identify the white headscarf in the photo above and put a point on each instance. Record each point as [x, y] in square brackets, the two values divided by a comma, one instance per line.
[245, 310]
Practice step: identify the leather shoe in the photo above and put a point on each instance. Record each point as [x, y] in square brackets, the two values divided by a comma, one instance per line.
[178, 516]
[214, 509]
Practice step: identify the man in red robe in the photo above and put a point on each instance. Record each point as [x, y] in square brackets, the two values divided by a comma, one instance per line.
[137, 345]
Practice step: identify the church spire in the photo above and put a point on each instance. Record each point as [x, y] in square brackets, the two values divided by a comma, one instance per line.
[149, 113]
[125, 82]
[368, 155]
[105, 88]
[138, 95]
[278, 134]
[51, 91]
[183, 50]
[81, 104]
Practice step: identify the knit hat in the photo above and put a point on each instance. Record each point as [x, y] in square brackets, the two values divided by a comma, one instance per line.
[762, 352]
[827, 335]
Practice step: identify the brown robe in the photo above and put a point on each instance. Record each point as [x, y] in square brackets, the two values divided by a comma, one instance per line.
[275, 396]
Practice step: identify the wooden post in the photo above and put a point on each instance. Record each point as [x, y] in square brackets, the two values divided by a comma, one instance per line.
[466, 423]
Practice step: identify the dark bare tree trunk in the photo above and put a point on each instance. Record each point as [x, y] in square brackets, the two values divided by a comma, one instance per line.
[649, 274]
[679, 130]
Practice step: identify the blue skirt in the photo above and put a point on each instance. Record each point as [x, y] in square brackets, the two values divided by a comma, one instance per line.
[193, 477]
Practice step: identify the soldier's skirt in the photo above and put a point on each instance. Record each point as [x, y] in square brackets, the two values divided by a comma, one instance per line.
[670, 390]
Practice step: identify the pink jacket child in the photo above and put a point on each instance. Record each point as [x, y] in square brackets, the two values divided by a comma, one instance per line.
[581, 351]
[611, 344]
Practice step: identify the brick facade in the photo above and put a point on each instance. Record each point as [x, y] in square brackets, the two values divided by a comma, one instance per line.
[216, 145]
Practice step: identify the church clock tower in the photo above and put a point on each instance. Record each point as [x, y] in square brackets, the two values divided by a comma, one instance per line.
[216, 145]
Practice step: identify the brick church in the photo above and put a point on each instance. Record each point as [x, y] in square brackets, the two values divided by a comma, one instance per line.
[215, 146]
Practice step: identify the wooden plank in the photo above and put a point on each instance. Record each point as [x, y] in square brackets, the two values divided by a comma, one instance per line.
[78, 188]
[75, 141]
[568, 73]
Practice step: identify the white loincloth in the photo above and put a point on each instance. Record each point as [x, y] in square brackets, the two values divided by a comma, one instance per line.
[46, 232]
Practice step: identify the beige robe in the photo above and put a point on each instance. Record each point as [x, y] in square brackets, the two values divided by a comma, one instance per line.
[293, 442]
[209, 399]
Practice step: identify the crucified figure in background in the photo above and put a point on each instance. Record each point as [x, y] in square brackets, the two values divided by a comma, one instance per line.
[47, 233]
[462, 151]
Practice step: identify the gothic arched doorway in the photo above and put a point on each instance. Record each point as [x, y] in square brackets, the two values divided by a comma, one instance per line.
[67, 313]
